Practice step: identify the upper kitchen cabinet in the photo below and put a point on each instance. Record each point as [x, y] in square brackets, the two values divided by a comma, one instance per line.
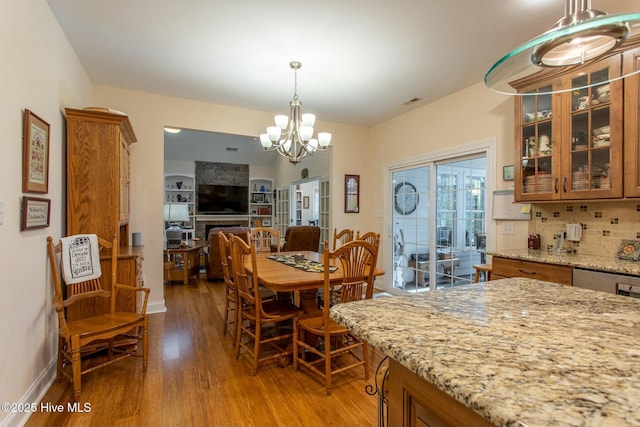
[569, 143]
[592, 138]
[98, 143]
[537, 152]
[632, 124]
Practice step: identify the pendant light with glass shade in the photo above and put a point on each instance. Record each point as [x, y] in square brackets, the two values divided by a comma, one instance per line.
[292, 136]
[582, 36]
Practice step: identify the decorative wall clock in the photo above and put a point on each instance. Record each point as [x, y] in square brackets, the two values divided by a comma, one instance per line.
[405, 198]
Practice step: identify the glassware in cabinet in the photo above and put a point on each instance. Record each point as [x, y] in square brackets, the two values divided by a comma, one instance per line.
[595, 122]
[536, 146]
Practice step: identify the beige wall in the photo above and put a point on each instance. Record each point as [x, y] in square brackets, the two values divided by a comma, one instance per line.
[39, 72]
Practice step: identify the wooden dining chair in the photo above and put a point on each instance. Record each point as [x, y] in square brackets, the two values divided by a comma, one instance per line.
[370, 237]
[357, 260]
[80, 337]
[231, 293]
[263, 239]
[374, 239]
[341, 237]
[255, 313]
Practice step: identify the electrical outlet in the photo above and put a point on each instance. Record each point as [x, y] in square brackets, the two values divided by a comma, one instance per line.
[508, 228]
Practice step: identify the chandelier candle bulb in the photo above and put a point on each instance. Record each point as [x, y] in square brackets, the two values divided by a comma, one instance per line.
[281, 121]
[309, 119]
[324, 138]
[265, 141]
[274, 133]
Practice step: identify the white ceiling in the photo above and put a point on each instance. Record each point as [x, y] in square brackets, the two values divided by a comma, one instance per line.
[362, 59]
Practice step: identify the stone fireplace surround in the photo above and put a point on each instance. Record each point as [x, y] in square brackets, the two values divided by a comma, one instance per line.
[219, 174]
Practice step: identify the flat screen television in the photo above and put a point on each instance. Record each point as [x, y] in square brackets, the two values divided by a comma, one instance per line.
[223, 199]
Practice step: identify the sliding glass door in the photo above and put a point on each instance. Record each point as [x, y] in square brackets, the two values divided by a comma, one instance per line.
[439, 223]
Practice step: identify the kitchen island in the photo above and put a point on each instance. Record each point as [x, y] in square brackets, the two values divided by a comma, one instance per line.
[518, 352]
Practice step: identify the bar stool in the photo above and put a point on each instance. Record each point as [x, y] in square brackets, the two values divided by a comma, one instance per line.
[486, 268]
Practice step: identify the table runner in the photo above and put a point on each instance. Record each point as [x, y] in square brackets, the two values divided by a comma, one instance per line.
[304, 265]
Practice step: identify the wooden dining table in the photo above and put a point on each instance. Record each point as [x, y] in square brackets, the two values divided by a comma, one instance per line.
[282, 278]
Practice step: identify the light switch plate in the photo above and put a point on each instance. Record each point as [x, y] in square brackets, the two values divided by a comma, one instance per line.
[508, 228]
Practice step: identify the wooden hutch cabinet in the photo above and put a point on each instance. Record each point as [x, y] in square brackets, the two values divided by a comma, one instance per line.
[98, 143]
[569, 143]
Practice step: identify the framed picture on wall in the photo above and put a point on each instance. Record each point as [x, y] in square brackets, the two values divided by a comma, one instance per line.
[351, 193]
[305, 202]
[35, 154]
[35, 213]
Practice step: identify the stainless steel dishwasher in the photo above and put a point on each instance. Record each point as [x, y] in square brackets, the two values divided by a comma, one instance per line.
[612, 283]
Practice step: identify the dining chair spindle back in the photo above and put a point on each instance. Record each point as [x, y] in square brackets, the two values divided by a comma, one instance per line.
[340, 349]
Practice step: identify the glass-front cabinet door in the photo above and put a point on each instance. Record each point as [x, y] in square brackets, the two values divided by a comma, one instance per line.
[538, 135]
[592, 160]
[569, 143]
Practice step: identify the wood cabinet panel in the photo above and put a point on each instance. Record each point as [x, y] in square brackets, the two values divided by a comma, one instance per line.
[507, 267]
[632, 124]
[415, 402]
[98, 173]
[98, 182]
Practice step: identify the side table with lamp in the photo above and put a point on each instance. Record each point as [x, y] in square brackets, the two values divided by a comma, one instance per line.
[175, 214]
[180, 257]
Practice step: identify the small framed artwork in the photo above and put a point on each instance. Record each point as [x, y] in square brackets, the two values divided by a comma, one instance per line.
[508, 173]
[258, 198]
[351, 193]
[266, 223]
[305, 202]
[35, 213]
[254, 212]
[35, 154]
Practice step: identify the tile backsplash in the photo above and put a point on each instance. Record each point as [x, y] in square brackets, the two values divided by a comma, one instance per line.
[604, 224]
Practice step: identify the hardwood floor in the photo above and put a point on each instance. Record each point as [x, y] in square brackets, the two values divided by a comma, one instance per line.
[194, 380]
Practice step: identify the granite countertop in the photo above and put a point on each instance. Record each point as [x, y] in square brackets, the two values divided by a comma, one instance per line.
[520, 352]
[591, 262]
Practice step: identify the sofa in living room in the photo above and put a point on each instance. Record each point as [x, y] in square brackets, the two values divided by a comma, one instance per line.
[212, 258]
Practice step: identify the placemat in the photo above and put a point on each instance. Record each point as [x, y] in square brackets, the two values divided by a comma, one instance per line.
[305, 265]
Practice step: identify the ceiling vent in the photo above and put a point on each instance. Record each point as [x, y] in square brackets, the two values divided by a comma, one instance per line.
[411, 101]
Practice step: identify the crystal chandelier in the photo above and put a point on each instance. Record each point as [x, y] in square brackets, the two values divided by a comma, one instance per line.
[292, 136]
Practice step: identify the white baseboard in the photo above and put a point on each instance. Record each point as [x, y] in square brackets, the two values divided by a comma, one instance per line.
[156, 307]
[34, 394]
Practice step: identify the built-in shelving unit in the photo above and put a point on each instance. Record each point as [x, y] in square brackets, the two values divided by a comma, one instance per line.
[261, 202]
[298, 207]
[181, 189]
